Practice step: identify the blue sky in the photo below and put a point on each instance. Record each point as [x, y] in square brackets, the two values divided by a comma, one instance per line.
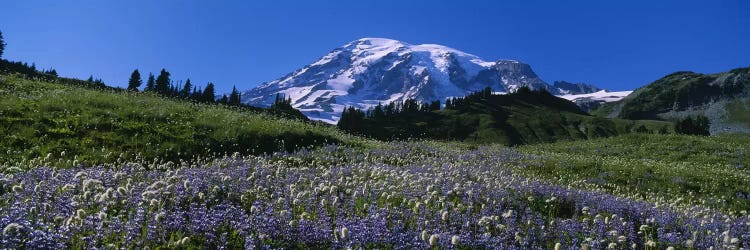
[617, 45]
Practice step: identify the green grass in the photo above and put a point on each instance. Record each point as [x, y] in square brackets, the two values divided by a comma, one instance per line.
[94, 126]
[739, 112]
[710, 170]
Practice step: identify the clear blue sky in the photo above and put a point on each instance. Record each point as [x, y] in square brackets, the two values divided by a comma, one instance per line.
[617, 45]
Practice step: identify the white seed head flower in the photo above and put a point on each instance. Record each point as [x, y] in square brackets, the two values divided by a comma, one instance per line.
[455, 240]
[558, 246]
[122, 191]
[508, 214]
[184, 240]
[11, 228]
[103, 197]
[434, 240]
[160, 217]
[18, 188]
[689, 243]
[154, 203]
[444, 216]
[425, 236]
[726, 237]
[344, 233]
[670, 248]
[81, 213]
[80, 174]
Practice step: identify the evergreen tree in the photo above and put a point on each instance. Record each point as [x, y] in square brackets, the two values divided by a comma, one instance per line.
[91, 79]
[378, 113]
[135, 81]
[150, 84]
[209, 94]
[234, 98]
[162, 82]
[2, 44]
[185, 92]
[693, 126]
[196, 95]
[435, 105]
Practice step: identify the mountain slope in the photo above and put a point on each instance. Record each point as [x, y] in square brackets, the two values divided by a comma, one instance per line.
[723, 97]
[522, 117]
[369, 71]
[39, 118]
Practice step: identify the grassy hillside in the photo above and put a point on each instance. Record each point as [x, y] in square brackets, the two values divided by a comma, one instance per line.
[91, 126]
[513, 119]
[714, 171]
[722, 97]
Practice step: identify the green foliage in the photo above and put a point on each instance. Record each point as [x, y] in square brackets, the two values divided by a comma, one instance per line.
[209, 94]
[135, 81]
[649, 166]
[150, 83]
[523, 117]
[739, 112]
[162, 82]
[693, 126]
[679, 91]
[185, 91]
[2, 44]
[39, 118]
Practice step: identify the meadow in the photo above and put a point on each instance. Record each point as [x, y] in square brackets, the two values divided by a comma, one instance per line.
[634, 191]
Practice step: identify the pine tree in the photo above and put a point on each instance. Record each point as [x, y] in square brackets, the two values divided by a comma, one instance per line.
[2, 44]
[234, 98]
[209, 94]
[162, 82]
[135, 81]
[150, 84]
[185, 92]
[91, 79]
[196, 95]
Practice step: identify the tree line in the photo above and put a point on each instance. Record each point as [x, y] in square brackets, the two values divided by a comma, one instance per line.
[164, 86]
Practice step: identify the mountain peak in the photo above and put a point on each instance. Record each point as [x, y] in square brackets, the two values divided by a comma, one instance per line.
[368, 71]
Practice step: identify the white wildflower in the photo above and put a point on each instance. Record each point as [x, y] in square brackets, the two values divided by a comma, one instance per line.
[11, 228]
[434, 240]
[344, 233]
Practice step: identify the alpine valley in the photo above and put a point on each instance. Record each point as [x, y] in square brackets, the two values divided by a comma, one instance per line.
[369, 71]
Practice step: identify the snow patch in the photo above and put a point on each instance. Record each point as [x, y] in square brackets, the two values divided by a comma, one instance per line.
[601, 95]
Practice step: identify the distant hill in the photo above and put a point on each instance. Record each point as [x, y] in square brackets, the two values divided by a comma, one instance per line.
[723, 97]
[519, 118]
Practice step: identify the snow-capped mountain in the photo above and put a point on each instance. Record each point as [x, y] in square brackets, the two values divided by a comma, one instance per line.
[369, 71]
